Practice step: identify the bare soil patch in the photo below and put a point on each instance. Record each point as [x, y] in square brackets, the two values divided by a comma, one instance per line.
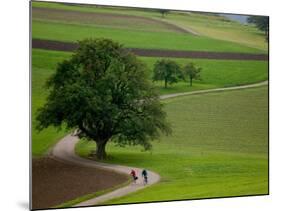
[67, 46]
[55, 182]
[105, 19]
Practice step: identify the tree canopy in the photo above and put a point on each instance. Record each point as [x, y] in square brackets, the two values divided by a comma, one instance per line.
[192, 72]
[167, 71]
[163, 12]
[103, 93]
[261, 22]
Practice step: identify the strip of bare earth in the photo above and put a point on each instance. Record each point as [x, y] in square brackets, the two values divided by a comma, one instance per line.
[55, 182]
[70, 46]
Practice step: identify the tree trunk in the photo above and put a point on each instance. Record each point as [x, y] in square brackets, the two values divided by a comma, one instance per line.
[100, 151]
[190, 81]
[165, 82]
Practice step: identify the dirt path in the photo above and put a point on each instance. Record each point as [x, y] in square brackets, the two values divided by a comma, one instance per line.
[214, 90]
[65, 150]
[187, 29]
[70, 46]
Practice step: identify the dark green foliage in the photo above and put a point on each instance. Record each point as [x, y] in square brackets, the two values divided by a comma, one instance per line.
[261, 22]
[103, 93]
[167, 71]
[163, 12]
[192, 72]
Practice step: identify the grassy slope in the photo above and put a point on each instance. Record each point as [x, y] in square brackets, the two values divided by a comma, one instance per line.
[219, 29]
[134, 38]
[215, 74]
[43, 65]
[219, 148]
[219, 162]
[205, 25]
[128, 22]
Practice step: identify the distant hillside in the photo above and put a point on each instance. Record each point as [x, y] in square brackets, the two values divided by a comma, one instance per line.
[240, 18]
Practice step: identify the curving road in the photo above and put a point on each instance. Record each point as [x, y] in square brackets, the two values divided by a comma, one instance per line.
[214, 90]
[64, 150]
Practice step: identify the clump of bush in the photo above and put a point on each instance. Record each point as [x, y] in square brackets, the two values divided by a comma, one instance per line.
[170, 72]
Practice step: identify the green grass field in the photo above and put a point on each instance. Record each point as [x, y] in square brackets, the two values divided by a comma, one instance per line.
[43, 65]
[110, 20]
[219, 147]
[217, 28]
[207, 25]
[215, 74]
[135, 38]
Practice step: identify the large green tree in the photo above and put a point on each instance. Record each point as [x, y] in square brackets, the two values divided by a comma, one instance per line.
[261, 22]
[167, 71]
[191, 72]
[103, 93]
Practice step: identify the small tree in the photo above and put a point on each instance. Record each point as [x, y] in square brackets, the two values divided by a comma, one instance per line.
[163, 12]
[167, 71]
[192, 72]
[261, 22]
[103, 93]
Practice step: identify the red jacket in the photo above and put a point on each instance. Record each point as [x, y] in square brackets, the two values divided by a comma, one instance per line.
[133, 173]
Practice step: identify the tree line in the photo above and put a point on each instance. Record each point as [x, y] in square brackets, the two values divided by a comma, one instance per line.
[170, 72]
